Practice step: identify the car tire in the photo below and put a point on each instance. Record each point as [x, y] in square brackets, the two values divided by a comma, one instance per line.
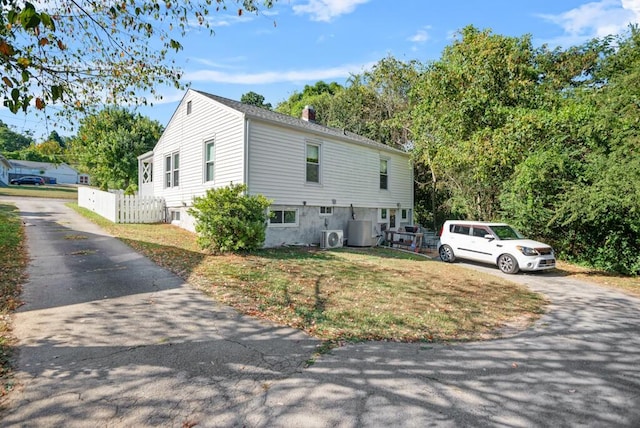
[508, 264]
[446, 254]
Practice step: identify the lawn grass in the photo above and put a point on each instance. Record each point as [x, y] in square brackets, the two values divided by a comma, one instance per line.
[13, 262]
[55, 191]
[345, 294]
[630, 284]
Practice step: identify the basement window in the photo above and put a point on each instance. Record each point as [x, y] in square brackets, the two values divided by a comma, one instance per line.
[326, 211]
[283, 218]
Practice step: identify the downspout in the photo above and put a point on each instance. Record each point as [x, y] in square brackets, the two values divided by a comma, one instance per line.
[413, 192]
[245, 173]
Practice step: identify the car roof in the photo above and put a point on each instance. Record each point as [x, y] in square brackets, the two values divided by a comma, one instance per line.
[479, 223]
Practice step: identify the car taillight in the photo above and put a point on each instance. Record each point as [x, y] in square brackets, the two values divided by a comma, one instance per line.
[441, 229]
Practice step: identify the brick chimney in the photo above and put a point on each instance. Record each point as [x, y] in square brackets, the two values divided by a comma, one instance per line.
[308, 114]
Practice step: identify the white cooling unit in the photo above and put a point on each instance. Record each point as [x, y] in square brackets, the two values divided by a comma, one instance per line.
[331, 239]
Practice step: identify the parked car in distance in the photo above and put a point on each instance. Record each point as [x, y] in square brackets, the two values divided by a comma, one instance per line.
[36, 181]
[495, 243]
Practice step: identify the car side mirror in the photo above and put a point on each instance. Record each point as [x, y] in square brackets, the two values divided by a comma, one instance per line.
[489, 237]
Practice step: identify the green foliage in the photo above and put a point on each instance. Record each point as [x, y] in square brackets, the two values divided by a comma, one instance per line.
[229, 220]
[319, 96]
[255, 99]
[108, 145]
[548, 140]
[11, 141]
[374, 104]
[82, 54]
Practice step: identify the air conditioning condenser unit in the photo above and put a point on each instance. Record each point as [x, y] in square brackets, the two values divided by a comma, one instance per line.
[331, 239]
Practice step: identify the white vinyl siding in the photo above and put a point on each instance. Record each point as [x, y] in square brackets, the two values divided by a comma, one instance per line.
[350, 172]
[208, 121]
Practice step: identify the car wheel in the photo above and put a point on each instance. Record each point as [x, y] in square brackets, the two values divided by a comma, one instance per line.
[508, 264]
[446, 254]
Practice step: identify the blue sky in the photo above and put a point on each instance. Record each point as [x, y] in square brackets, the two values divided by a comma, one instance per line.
[299, 42]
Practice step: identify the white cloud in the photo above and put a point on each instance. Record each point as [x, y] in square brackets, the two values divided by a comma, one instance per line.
[327, 10]
[228, 64]
[268, 77]
[596, 19]
[421, 36]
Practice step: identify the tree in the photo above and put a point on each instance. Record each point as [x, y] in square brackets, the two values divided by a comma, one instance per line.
[11, 141]
[483, 107]
[81, 53]
[228, 219]
[601, 209]
[319, 96]
[54, 136]
[108, 145]
[255, 99]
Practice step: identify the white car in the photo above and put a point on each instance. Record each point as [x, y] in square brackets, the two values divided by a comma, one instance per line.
[495, 243]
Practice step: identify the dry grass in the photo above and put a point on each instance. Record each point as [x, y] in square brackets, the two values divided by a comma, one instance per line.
[13, 263]
[56, 191]
[346, 294]
[630, 284]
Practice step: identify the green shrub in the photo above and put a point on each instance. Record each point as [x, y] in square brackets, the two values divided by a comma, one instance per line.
[228, 219]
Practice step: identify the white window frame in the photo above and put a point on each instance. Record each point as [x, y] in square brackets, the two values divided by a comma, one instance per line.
[327, 211]
[170, 171]
[189, 107]
[383, 215]
[147, 171]
[386, 173]
[306, 162]
[404, 213]
[283, 210]
[206, 161]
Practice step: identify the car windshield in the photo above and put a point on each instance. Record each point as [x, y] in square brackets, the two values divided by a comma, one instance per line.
[506, 232]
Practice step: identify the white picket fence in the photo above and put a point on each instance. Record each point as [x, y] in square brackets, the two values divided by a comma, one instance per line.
[120, 208]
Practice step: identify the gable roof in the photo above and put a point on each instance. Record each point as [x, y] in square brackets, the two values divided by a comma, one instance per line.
[5, 161]
[293, 122]
[17, 163]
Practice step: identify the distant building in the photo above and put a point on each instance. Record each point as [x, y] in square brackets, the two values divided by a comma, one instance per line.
[52, 173]
[5, 166]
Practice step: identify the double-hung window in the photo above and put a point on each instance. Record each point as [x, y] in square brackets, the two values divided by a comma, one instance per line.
[313, 163]
[209, 160]
[172, 170]
[384, 174]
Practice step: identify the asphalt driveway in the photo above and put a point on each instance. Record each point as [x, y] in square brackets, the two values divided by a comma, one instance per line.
[107, 338]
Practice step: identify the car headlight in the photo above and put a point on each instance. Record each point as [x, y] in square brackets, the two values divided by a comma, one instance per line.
[528, 251]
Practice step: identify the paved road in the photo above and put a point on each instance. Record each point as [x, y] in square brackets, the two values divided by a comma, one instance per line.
[109, 339]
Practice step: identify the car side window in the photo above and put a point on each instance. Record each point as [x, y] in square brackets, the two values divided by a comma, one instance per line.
[480, 232]
[458, 228]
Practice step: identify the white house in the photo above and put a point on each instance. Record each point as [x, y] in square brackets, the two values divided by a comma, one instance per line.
[5, 166]
[59, 173]
[318, 178]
